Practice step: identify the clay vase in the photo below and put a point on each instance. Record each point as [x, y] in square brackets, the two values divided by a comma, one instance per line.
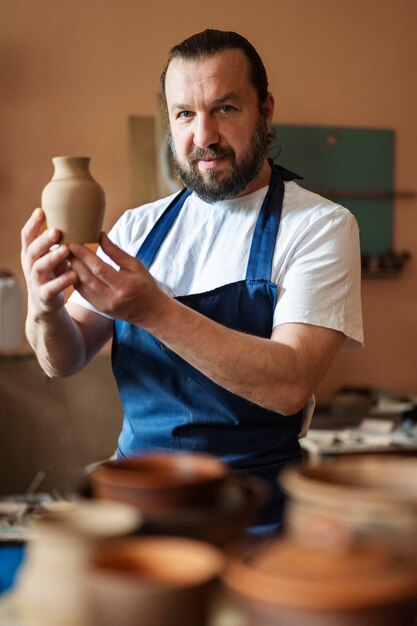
[73, 202]
[153, 581]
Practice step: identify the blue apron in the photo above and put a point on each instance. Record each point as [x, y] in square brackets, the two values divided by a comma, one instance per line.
[170, 405]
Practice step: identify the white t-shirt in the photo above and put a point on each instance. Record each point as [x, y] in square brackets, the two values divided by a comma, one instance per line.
[316, 263]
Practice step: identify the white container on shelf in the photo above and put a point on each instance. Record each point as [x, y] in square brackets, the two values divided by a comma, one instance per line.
[11, 322]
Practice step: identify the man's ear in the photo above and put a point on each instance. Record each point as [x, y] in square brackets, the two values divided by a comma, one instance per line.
[268, 110]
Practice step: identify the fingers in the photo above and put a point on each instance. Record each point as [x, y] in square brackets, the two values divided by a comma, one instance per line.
[43, 244]
[41, 261]
[42, 256]
[89, 267]
[53, 288]
[55, 262]
[47, 279]
[36, 243]
[121, 258]
[45, 264]
[32, 228]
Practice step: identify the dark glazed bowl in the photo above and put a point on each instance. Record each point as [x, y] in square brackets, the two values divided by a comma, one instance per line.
[222, 523]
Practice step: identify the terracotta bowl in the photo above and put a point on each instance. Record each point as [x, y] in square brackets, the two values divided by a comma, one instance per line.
[223, 522]
[292, 584]
[352, 498]
[153, 580]
[160, 482]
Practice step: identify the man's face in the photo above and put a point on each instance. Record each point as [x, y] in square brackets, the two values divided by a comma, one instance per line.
[218, 135]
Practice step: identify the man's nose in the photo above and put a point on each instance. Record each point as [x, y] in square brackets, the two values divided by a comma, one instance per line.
[206, 131]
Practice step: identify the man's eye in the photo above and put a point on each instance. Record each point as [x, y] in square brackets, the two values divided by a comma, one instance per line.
[185, 114]
[226, 108]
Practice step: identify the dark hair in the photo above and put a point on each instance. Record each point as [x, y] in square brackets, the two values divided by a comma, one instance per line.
[210, 42]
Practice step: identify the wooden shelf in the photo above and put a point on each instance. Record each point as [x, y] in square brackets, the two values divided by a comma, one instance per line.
[362, 193]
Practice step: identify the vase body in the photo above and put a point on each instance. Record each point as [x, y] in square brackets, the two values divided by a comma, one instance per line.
[73, 202]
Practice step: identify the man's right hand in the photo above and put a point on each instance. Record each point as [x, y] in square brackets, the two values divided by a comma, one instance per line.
[45, 266]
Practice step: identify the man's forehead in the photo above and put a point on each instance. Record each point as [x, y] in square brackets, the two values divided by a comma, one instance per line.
[225, 62]
[222, 72]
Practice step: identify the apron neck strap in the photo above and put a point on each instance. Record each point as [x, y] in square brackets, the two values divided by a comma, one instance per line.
[266, 229]
[148, 250]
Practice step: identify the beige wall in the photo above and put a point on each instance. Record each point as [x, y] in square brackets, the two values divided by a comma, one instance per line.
[71, 72]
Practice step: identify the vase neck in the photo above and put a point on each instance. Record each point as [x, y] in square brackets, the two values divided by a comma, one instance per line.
[71, 167]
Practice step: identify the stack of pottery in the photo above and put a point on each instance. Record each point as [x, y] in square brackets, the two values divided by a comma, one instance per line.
[51, 588]
[354, 498]
[184, 494]
[349, 551]
[153, 581]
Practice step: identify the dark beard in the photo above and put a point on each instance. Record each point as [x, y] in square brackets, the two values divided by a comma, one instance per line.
[213, 188]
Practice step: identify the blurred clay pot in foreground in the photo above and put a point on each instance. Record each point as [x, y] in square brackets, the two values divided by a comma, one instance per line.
[155, 581]
[223, 523]
[183, 494]
[160, 481]
[296, 585]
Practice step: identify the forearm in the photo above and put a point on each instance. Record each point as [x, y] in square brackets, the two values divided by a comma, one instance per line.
[260, 370]
[279, 373]
[57, 341]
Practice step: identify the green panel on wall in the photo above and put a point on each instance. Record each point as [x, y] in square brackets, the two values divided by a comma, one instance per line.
[334, 160]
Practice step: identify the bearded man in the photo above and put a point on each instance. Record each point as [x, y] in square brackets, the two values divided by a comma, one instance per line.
[227, 301]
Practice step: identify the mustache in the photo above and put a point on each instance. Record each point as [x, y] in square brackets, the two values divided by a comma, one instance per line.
[209, 153]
